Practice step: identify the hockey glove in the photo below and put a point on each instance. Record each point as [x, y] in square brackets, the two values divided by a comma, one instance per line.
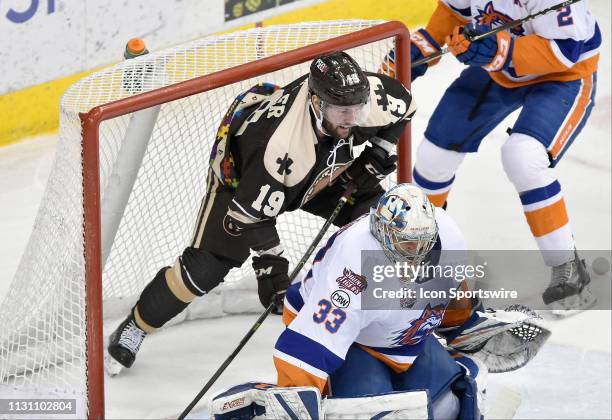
[370, 167]
[504, 340]
[422, 45]
[493, 53]
[272, 280]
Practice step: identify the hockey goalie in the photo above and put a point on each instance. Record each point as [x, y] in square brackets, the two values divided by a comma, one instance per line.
[339, 357]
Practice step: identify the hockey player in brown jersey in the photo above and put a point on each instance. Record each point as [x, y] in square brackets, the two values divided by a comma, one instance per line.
[278, 149]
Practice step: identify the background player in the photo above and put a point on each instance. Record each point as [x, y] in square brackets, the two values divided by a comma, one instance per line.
[277, 149]
[345, 345]
[548, 67]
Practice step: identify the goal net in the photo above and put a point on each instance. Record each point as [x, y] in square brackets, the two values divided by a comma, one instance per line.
[124, 190]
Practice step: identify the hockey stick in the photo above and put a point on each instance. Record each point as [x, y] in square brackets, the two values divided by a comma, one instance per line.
[501, 28]
[347, 194]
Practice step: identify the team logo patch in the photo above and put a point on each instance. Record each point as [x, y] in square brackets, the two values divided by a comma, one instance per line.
[340, 299]
[352, 281]
[230, 227]
[420, 328]
[491, 17]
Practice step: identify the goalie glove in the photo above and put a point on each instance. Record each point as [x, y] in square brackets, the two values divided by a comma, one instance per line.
[504, 340]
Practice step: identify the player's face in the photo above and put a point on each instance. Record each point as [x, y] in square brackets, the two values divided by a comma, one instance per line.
[339, 121]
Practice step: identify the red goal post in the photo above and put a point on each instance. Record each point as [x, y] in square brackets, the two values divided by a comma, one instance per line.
[91, 183]
[168, 104]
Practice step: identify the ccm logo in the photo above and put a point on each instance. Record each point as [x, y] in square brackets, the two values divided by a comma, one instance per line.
[261, 271]
[501, 56]
[234, 403]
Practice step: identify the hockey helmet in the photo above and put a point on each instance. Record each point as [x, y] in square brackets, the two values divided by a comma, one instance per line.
[342, 87]
[404, 223]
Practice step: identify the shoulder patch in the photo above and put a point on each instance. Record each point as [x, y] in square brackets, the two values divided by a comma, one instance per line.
[351, 281]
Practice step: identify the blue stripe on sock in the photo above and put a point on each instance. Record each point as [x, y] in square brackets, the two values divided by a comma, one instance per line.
[430, 185]
[540, 194]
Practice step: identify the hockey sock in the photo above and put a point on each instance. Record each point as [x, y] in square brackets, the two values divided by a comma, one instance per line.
[157, 303]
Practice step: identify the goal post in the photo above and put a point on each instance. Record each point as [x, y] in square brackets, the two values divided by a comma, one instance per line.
[193, 86]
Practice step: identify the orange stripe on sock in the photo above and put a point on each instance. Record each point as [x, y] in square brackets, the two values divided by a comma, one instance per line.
[547, 219]
[290, 375]
[438, 200]
[574, 120]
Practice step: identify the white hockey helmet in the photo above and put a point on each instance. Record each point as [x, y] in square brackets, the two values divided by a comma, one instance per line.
[404, 223]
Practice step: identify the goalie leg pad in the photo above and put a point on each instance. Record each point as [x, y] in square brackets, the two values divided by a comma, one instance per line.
[395, 405]
[266, 401]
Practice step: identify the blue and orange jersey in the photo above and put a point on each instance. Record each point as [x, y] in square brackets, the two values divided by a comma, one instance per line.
[558, 46]
[327, 312]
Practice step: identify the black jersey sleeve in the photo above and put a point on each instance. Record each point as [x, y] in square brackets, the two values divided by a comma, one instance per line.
[392, 107]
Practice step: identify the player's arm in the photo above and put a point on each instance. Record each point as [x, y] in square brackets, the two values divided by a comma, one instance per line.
[562, 39]
[316, 341]
[426, 41]
[259, 198]
[391, 108]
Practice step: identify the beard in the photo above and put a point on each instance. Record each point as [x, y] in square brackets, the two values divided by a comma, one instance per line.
[335, 133]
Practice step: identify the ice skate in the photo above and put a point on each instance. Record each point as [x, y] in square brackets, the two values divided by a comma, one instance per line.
[123, 345]
[568, 292]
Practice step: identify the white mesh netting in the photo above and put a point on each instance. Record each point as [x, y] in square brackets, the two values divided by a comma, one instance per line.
[42, 318]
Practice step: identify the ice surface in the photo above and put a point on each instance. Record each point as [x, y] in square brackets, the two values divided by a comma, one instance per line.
[570, 378]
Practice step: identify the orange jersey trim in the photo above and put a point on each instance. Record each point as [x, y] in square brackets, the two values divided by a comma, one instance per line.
[534, 55]
[290, 375]
[442, 22]
[288, 316]
[573, 121]
[547, 219]
[458, 310]
[395, 366]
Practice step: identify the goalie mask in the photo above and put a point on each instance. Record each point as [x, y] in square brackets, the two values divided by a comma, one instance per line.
[343, 89]
[404, 223]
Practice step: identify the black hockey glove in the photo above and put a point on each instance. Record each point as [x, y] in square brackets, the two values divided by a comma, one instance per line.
[272, 280]
[370, 167]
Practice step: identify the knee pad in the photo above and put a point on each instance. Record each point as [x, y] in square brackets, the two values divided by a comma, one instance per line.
[526, 162]
[200, 271]
[436, 164]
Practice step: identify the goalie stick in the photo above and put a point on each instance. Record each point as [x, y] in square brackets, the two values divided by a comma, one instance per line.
[347, 194]
[501, 28]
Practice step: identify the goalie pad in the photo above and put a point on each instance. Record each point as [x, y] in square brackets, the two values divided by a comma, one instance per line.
[396, 405]
[504, 340]
[256, 400]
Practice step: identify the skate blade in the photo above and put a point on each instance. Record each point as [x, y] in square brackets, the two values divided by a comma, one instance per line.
[111, 366]
[574, 304]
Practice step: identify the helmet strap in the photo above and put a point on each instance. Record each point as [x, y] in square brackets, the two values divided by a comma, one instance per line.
[318, 118]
